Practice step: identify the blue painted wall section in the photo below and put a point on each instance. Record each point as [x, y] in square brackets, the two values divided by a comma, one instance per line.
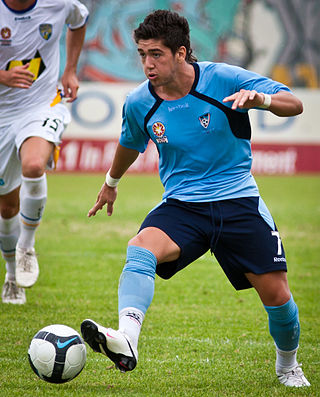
[110, 54]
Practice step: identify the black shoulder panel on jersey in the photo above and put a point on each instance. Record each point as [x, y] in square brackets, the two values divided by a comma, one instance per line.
[154, 107]
[239, 122]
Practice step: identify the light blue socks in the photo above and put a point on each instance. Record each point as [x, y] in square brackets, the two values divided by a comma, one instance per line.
[284, 325]
[136, 286]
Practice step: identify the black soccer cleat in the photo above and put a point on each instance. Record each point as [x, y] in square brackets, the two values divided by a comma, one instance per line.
[114, 344]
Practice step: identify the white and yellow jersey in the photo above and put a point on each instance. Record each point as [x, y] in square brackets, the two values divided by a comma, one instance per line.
[33, 36]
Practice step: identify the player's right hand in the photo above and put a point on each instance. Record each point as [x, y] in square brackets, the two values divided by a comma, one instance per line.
[18, 77]
[107, 195]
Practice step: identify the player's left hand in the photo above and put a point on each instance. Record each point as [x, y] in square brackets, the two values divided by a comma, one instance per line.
[245, 99]
[70, 84]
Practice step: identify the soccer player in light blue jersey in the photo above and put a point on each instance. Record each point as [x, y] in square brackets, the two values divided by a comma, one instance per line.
[196, 113]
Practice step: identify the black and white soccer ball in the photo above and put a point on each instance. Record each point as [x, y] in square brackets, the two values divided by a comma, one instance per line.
[57, 353]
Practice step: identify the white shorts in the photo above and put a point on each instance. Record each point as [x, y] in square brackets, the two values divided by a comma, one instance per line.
[46, 122]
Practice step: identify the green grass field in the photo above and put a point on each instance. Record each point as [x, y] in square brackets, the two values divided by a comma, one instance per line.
[200, 337]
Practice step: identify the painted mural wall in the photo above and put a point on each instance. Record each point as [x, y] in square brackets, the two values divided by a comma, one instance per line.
[278, 38]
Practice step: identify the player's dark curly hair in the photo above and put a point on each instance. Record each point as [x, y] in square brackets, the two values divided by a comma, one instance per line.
[168, 26]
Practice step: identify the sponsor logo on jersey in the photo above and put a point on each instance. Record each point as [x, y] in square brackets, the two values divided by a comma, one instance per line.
[159, 129]
[45, 30]
[37, 65]
[178, 107]
[205, 120]
[23, 19]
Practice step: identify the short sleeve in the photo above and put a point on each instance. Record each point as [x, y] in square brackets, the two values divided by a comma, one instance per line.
[253, 81]
[78, 14]
[132, 135]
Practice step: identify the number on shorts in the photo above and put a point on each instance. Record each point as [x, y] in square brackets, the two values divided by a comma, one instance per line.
[52, 123]
[276, 234]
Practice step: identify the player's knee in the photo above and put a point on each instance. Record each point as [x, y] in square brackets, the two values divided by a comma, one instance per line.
[278, 296]
[272, 287]
[136, 241]
[145, 238]
[8, 211]
[156, 241]
[33, 168]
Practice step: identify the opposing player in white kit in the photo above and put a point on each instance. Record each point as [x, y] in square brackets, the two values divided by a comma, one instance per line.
[31, 122]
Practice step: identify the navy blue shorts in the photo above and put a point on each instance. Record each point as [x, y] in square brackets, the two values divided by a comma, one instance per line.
[239, 232]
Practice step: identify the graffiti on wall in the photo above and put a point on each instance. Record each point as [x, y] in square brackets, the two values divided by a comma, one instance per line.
[280, 39]
[298, 62]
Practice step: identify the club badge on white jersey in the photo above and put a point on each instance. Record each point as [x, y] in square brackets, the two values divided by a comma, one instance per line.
[45, 30]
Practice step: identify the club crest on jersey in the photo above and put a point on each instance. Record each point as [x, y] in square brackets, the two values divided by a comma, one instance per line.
[159, 129]
[5, 37]
[205, 120]
[5, 33]
[45, 30]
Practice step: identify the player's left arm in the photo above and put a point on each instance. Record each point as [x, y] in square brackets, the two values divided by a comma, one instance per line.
[69, 79]
[283, 103]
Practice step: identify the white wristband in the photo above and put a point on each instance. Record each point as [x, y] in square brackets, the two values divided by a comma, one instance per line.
[267, 102]
[111, 182]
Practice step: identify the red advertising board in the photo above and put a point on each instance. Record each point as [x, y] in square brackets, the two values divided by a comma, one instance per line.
[84, 155]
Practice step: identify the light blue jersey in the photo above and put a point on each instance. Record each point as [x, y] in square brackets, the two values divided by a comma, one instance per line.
[204, 146]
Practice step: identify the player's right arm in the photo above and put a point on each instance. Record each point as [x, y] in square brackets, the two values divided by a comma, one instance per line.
[122, 160]
[17, 77]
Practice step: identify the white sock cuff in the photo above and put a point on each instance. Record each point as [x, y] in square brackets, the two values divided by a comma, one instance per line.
[34, 187]
[286, 359]
[27, 179]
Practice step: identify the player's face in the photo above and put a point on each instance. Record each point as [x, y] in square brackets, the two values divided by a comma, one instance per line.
[159, 64]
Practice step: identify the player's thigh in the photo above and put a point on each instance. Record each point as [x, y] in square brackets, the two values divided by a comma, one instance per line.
[46, 126]
[158, 242]
[35, 153]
